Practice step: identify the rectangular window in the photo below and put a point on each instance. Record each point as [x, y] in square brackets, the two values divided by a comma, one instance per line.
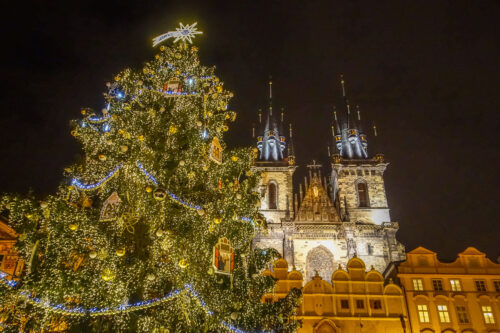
[497, 285]
[360, 172]
[423, 313]
[488, 314]
[360, 304]
[444, 316]
[369, 249]
[455, 285]
[480, 285]
[462, 315]
[367, 172]
[418, 285]
[373, 172]
[376, 304]
[344, 304]
[437, 284]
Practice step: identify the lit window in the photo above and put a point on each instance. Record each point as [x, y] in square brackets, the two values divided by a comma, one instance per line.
[423, 313]
[462, 315]
[480, 285]
[418, 285]
[497, 285]
[272, 196]
[344, 304]
[376, 304]
[444, 316]
[455, 285]
[437, 285]
[488, 314]
[360, 304]
[282, 139]
[362, 195]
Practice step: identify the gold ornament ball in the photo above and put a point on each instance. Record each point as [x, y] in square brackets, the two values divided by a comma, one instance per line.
[234, 316]
[140, 82]
[92, 254]
[107, 275]
[84, 112]
[178, 55]
[225, 128]
[238, 196]
[74, 132]
[159, 233]
[173, 129]
[162, 48]
[102, 157]
[117, 78]
[140, 138]
[150, 277]
[124, 149]
[159, 194]
[157, 56]
[191, 175]
[249, 173]
[194, 49]
[73, 227]
[199, 123]
[182, 163]
[44, 204]
[217, 220]
[149, 189]
[201, 212]
[219, 89]
[120, 252]
[234, 158]
[183, 263]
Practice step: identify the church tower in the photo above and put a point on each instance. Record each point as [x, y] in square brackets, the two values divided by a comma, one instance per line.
[276, 164]
[357, 180]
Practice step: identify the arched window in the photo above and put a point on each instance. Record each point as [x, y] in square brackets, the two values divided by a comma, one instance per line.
[272, 196]
[363, 195]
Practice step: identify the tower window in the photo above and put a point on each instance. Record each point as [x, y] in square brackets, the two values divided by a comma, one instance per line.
[362, 194]
[369, 248]
[418, 285]
[272, 193]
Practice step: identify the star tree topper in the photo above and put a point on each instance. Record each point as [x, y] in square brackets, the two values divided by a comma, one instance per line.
[184, 33]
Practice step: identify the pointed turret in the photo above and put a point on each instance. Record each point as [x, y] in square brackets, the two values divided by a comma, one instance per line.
[271, 143]
[350, 142]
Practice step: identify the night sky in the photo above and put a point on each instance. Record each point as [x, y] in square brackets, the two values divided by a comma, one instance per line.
[426, 72]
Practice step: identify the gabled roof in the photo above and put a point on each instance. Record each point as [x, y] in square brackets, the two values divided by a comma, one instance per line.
[420, 250]
[472, 251]
[6, 232]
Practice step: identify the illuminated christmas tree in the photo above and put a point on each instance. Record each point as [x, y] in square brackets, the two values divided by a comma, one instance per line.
[152, 230]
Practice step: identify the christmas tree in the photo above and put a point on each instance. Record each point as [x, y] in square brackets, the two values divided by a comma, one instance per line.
[152, 230]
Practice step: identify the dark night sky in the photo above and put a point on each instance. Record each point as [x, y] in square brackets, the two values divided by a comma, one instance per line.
[427, 72]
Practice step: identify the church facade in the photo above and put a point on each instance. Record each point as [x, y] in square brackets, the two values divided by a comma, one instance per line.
[337, 213]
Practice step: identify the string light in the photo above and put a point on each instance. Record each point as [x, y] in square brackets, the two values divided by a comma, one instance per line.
[80, 185]
[153, 179]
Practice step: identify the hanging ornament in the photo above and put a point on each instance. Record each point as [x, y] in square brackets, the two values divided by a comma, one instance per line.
[120, 252]
[236, 185]
[238, 196]
[160, 194]
[159, 233]
[107, 275]
[204, 167]
[74, 132]
[86, 201]
[191, 175]
[149, 189]
[182, 163]
[219, 184]
[44, 204]
[127, 221]
[109, 210]
[211, 227]
[124, 149]
[234, 158]
[173, 129]
[234, 315]
[217, 220]
[249, 173]
[183, 263]
[140, 138]
[173, 87]
[216, 151]
[73, 227]
[150, 277]
[102, 157]
[199, 123]
[223, 257]
[92, 254]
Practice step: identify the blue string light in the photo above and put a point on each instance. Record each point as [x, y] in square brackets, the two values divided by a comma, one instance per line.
[10, 283]
[80, 185]
[141, 167]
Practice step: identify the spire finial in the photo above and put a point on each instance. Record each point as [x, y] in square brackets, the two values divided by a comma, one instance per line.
[342, 82]
[270, 95]
[253, 131]
[291, 131]
[374, 129]
[260, 116]
[359, 112]
[282, 114]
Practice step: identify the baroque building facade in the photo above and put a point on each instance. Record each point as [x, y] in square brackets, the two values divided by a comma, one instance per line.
[332, 217]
